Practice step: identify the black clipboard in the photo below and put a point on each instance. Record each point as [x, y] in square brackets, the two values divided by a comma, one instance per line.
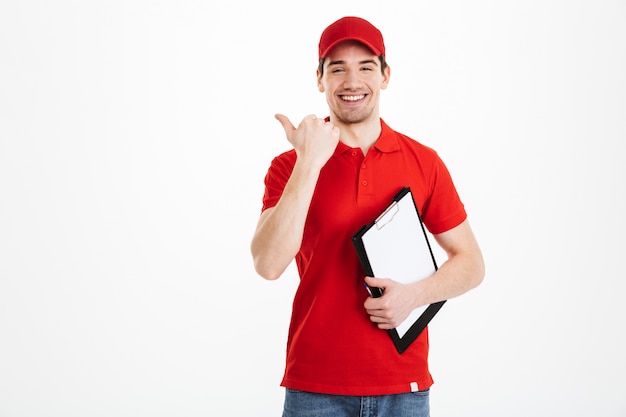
[395, 245]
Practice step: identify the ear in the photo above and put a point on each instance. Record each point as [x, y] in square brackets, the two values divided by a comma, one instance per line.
[320, 86]
[386, 77]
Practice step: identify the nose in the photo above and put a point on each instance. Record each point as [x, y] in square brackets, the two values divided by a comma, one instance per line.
[351, 80]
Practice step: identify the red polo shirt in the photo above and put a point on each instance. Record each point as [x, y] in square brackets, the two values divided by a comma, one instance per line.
[332, 345]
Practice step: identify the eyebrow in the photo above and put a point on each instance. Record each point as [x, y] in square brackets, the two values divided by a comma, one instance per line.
[367, 61]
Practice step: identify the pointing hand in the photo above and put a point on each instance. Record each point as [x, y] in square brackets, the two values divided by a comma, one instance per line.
[314, 140]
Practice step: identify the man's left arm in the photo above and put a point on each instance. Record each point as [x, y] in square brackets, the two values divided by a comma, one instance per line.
[462, 271]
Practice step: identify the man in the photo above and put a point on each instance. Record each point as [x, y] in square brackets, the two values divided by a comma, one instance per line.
[341, 173]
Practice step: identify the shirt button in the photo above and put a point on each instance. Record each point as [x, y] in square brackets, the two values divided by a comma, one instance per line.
[364, 182]
[363, 166]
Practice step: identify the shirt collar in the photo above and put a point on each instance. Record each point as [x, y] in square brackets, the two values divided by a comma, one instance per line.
[386, 142]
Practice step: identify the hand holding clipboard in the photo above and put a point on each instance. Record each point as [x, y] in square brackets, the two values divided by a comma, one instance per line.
[396, 245]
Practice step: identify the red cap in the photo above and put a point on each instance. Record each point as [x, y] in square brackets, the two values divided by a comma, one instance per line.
[351, 28]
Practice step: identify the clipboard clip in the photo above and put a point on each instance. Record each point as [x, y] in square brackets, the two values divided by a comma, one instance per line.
[387, 215]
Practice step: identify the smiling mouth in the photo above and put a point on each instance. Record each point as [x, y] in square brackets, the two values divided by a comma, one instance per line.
[353, 98]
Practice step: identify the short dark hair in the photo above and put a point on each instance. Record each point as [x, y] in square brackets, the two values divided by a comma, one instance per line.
[383, 64]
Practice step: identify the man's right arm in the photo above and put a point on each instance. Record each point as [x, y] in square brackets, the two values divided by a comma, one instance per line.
[279, 232]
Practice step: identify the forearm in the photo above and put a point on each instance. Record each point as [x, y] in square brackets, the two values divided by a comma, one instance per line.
[462, 271]
[279, 233]
[459, 274]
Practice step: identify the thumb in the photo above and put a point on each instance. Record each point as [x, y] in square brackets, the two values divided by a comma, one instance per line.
[376, 282]
[287, 125]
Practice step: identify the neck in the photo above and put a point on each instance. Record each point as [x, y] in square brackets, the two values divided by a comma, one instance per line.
[359, 135]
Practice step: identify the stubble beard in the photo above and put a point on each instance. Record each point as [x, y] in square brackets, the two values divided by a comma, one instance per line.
[354, 117]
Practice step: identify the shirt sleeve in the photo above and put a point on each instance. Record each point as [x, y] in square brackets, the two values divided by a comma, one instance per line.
[276, 178]
[444, 209]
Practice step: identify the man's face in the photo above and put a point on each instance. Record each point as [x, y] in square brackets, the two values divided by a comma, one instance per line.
[352, 82]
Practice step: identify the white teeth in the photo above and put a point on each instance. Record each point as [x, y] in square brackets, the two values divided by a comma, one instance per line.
[353, 98]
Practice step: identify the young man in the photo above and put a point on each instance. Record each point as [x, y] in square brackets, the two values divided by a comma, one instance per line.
[341, 173]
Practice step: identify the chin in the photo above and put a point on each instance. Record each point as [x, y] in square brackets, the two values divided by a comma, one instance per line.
[349, 117]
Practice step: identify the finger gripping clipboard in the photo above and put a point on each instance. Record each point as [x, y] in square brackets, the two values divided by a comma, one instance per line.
[395, 245]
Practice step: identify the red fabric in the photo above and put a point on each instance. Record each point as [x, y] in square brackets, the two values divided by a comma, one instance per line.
[351, 28]
[332, 345]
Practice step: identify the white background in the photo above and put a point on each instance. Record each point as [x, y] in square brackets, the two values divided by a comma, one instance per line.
[134, 137]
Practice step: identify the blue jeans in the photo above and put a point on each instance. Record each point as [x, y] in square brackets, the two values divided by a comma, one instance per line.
[308, 404]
